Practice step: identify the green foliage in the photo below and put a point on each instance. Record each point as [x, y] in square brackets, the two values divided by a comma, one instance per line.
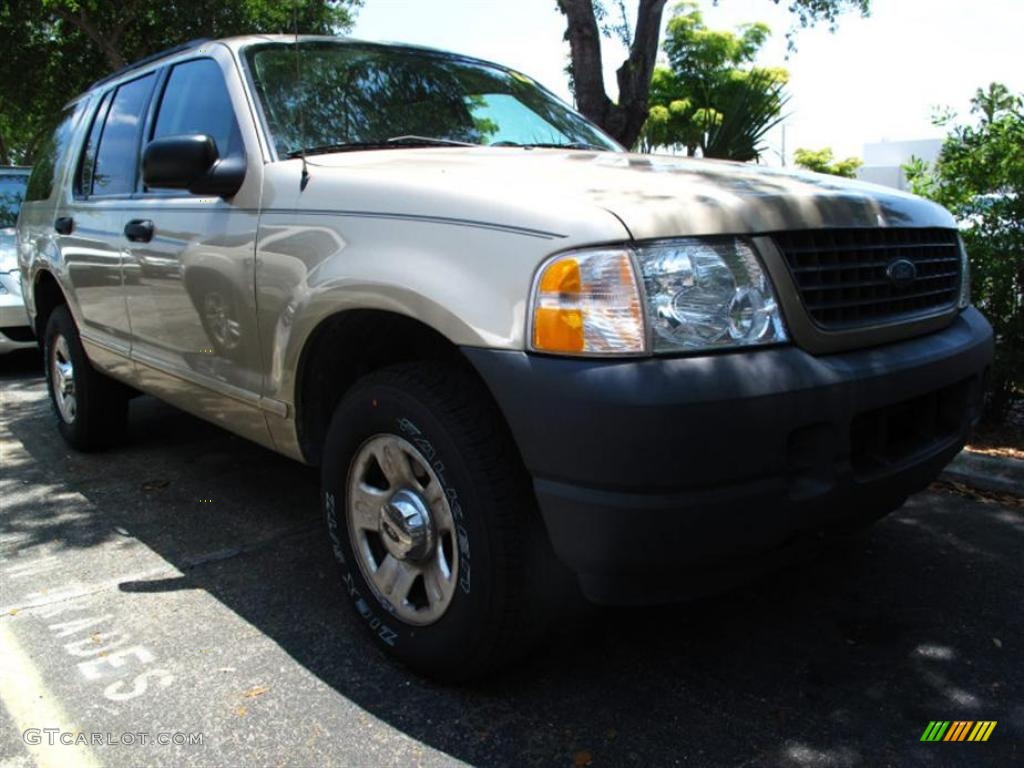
[711, 97]
[672, 120]
[750, 106]
[700, 55]
[811, 12]
[979, 176]
[53, 49]
[823, 161]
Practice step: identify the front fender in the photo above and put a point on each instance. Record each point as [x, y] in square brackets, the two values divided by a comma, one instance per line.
[469, 284]
[296, 326]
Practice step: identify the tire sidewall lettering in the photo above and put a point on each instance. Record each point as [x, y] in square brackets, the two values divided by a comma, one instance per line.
[425, 447]
[386, 634]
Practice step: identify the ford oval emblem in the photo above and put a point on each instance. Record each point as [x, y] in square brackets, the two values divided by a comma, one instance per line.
[901, 271]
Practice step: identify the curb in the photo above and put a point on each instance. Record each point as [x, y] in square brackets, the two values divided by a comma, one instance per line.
[988, 473]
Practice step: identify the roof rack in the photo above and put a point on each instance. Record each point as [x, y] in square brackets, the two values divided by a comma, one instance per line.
[151, 58]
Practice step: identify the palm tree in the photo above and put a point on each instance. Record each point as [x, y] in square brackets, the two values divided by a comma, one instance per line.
[748, 106]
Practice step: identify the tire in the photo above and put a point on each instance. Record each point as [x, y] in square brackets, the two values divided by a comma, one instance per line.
[497, 553]
[96, 413]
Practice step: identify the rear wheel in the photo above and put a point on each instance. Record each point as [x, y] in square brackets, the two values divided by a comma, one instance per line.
[92, 409]
[433, 522]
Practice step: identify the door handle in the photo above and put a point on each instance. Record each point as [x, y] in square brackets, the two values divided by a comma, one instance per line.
[139, 230]
[63, 225]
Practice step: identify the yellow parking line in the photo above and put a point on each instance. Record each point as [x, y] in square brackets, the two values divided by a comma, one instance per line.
[30, 705]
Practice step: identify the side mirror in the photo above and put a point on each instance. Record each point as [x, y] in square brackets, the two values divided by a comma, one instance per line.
[191, 161]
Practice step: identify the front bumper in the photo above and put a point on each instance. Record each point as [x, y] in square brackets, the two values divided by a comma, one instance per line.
[646, 470]
[15, 331]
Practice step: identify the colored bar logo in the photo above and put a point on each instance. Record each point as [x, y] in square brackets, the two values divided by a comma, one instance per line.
[958, 730]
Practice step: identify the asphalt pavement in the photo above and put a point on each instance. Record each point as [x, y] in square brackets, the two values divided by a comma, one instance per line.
[179, 588]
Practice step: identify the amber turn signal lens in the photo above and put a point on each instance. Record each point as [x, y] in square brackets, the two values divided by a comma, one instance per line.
[588, 302]
[563, 276]
[558, 330]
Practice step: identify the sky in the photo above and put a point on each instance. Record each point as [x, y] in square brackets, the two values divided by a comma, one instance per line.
[876, 78]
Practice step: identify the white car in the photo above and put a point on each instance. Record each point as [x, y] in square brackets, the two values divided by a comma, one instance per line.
[15, 331]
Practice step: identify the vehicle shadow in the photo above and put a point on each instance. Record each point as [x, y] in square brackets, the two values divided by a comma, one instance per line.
[22, 365]
[842, 659]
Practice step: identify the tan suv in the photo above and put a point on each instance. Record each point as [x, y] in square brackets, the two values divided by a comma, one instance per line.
[522, 357]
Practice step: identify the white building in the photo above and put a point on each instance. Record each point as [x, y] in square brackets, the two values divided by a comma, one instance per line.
[884, 160]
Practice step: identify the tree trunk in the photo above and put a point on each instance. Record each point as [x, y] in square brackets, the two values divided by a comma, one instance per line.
[624, 119]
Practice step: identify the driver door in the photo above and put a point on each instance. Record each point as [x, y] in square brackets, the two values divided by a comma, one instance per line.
[189, 273]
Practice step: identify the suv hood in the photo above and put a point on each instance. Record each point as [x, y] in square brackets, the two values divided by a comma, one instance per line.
[652, 195]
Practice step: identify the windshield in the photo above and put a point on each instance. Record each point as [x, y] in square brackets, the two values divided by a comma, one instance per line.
[327, 94]
[12, 192]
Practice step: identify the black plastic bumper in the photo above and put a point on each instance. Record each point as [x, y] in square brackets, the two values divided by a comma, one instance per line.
[646, 470]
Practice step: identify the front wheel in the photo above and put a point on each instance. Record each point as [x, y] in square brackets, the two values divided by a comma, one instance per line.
[432, 521]
[91, 409]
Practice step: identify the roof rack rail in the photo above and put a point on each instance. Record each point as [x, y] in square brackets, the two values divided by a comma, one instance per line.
[151, 58]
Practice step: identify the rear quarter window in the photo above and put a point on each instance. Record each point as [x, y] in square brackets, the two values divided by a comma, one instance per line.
[48, 160]
[87, 163]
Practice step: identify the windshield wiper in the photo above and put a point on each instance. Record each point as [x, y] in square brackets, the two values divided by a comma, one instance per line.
[551, 145]
[568, 145]
[392, 143]
[413, 138]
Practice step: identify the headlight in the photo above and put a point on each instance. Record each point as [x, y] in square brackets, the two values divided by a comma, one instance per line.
[965, 278]
[699, 294]
[708, 294]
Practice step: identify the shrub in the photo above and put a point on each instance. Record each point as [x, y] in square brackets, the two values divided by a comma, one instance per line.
[979, 177]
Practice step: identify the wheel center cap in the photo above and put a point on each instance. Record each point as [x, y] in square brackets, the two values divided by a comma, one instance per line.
[405, 525]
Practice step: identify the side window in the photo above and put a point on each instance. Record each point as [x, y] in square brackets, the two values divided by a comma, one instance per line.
[196, 100]
[117, 156]
[87, 163]
[47, 162]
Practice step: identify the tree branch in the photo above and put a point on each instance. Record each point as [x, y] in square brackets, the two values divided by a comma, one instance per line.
[587, 64]
[624, 119]
[634, 76]
[106, 43]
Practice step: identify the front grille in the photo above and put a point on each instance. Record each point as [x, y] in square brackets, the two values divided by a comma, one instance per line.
[843, 278]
